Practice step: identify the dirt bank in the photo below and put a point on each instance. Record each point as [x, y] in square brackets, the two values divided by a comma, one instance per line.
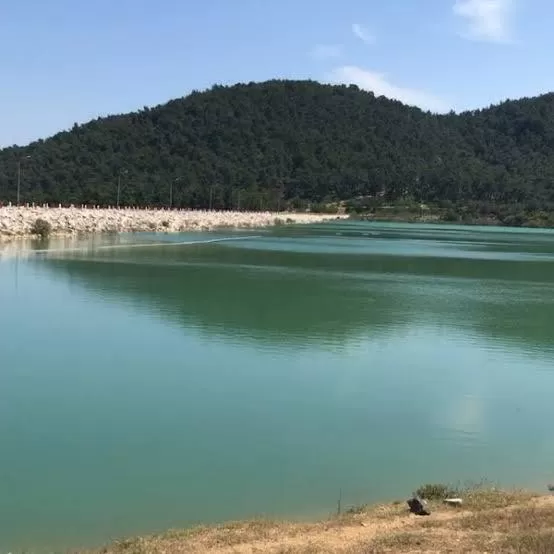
[489, 521]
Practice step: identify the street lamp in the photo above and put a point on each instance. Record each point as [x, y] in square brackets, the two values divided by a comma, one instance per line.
[19, 176]
[121, 172]
[176, 180]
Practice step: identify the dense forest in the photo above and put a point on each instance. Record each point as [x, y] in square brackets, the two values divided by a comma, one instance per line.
[294, 144]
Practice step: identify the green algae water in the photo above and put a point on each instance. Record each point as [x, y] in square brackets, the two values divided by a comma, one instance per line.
[150, 387]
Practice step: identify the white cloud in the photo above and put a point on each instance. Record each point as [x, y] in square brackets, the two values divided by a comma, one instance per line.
[379, 84]
[326, 51]
[362, 33]
[487, 20]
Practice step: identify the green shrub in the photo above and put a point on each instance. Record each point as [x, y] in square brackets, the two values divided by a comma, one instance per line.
[322, 208]
[42, 228]
[357, 510]
[515, 220]
[451, 215]
[435, 491]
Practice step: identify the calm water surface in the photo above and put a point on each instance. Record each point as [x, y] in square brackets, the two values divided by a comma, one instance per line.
[143, 388]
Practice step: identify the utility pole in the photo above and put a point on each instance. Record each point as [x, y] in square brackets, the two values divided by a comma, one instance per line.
[176, 180]
[19, 176]
[121, 172]
[281, 196]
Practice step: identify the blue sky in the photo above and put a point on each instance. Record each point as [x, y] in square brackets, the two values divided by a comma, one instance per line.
[67, 61]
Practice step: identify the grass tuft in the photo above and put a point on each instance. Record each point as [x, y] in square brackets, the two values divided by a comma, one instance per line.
[436, 491]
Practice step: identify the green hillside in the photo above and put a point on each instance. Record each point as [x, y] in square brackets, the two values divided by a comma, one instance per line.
[281, 143]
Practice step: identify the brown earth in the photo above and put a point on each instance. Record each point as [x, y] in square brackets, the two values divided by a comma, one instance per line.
[490, 521]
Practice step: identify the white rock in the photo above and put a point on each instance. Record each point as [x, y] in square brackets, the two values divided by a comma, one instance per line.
[453, 501]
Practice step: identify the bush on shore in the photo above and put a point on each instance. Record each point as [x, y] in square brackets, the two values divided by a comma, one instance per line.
[42, 228]
[435, 491]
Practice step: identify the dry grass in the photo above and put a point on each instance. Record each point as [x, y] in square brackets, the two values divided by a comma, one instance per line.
[527, 543]
[490, 520]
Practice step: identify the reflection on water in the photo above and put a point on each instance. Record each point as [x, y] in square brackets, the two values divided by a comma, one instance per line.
[147, 388]
[266, 289]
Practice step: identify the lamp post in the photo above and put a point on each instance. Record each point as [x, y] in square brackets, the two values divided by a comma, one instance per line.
[19, 176]
[176, 180]
[121, 172]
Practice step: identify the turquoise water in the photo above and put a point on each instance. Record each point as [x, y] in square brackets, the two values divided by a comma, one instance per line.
[144, 388]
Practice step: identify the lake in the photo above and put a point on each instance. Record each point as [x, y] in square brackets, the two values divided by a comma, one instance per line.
[148, 386]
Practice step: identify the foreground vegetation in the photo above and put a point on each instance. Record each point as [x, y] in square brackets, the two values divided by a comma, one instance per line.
[297, 145]
[490, 520]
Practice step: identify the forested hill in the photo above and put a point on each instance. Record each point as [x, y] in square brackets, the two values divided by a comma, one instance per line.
[268, 144]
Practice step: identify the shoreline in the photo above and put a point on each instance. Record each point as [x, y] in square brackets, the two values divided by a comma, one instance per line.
[392, 214]
[486, 520]
[17, 222]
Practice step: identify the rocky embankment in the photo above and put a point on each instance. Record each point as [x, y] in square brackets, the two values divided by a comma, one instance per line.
[20, 221]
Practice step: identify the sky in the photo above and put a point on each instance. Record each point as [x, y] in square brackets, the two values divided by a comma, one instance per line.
[69, 61]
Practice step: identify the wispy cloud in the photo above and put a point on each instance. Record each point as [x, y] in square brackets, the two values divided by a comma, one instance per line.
[380, 85]
[487, 20]
[326, 51]
[362, 33]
